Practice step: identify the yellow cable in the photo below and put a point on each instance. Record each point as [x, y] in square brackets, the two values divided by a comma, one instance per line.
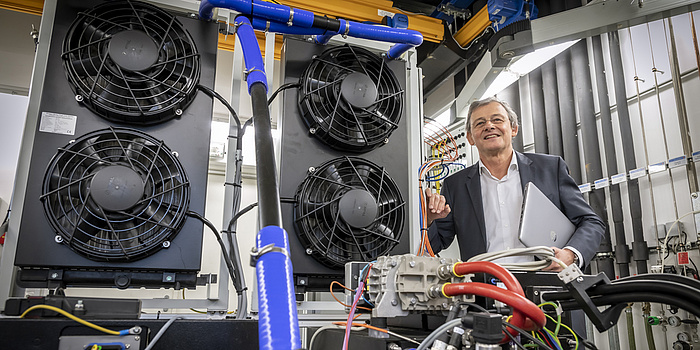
[72, 317]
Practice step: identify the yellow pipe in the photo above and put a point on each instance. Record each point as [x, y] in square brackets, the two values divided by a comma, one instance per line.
[473, 28]
[32, 7]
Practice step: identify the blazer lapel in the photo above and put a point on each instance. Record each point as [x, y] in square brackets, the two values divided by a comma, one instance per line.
[474, 188]
[524, 169]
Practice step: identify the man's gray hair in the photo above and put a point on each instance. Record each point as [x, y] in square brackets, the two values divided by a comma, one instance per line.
[476, 104]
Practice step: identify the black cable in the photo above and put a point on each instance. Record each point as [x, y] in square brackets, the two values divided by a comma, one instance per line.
[512, 338]
[625, 298]
[527, 335]
[248, 208]
[283, 87]
[216, 95]
[227, 259]
[662, 277]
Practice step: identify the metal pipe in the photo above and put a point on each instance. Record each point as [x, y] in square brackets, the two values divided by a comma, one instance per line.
[663, 123]
[621, 249]
[539, 122]
[680, 105]
[551, 109]
[644, 145]
[640, 252]
[569, 132]
[591, 148]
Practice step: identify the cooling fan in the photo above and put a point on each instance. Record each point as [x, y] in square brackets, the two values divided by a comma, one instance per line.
[348, 209]
[115, 195]
[350, 99]
[131, 62]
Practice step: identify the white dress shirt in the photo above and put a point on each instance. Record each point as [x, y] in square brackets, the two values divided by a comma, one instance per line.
[502, 200]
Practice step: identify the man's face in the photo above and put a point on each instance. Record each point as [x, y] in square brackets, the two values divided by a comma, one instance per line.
[491, 131]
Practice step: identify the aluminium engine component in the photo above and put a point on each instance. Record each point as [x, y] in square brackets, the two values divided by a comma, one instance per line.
[399, 285]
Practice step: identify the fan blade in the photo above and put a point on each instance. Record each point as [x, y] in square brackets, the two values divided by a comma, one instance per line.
[158, 213]
[86, 67]
[154, 96]
[109, 93]
[74, 191]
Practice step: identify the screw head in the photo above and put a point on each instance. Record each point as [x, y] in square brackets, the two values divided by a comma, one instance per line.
[694, 195]
[79, 98]
[386, 140]
[54, 275]
[309, 251]
[127, 346]
[394, 302]
[414, 300]
[302, 282]
[312, 130]
[168, 278]
[412, 263]
[444, 305]
[137, 338]
[537, 292]
[58, 239]
[312, 169]
[166, 244]
[177, 155]
[178, 112]
[508, 54]
[71, 141]
[579, 279]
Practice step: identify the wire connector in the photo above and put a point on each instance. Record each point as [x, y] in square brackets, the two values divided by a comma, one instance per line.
[570, 273]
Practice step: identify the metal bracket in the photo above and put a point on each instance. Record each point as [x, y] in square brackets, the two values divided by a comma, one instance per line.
[256, 253]
[578, 284]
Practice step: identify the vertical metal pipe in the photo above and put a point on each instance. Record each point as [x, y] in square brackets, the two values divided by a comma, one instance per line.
[621, 250]
[551, 109]
[569, 131]
[680, 106]
[539, 122]
[640, 252]
[511, 95]
[591, 148]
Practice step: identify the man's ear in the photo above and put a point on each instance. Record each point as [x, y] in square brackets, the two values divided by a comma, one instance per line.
[515, 131]
[470, 138]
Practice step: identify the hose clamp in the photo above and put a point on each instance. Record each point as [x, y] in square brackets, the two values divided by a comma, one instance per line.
[267, 26]
[347, 30]
[246, 72]
[291, 17]
[256, 253]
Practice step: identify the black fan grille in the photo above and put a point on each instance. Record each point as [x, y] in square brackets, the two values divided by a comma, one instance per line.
[355, 122]
[325, 228]
[100, 227]
[153, 75]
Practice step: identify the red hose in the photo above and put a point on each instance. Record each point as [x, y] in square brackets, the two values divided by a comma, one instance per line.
[509, 281]
[517, 301]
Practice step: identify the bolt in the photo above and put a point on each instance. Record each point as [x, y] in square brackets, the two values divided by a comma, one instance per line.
[178, 112]
[192, 15]
[312, 130]
[176, 154]
[71, 141]
[312, 169]
[414, 300]
[126, 346]
[168, 278]
[694, 195]
[508, 54]
[54, 275]
[166, 244]
[579, 279]
[394, 302]
[444, 305]
[58, 239]
[136, 329]
[79, 98]
[537, 292]
[442, 260]
[393, 263]
[386, 140]
[302, 282]
[309, 251]
[137, 338]
[412, 263]
[309, 39]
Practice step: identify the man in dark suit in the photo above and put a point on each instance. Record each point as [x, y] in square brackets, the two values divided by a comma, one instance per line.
[480, 205]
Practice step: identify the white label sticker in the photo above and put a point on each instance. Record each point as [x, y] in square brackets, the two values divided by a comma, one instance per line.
[637, 173]
[696, 156]
[382, 13]
[619, 178]
[678, 161]
[58, 123]
[584, 188]
[657, 167]
[602, 183]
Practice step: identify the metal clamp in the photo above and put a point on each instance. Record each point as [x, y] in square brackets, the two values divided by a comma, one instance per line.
[256, 253]
[246, 72]
[347, 30]
[291, 17]
[267, 26]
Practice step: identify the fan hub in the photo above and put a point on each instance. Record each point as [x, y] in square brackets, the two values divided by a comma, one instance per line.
[359, 90]
[358, 208]
[133, 50]
[116, 187]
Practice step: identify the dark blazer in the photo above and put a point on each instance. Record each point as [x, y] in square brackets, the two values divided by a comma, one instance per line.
[550, 174]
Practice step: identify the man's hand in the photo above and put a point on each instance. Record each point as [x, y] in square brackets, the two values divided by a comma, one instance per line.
[565, 255]
[437, 209]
